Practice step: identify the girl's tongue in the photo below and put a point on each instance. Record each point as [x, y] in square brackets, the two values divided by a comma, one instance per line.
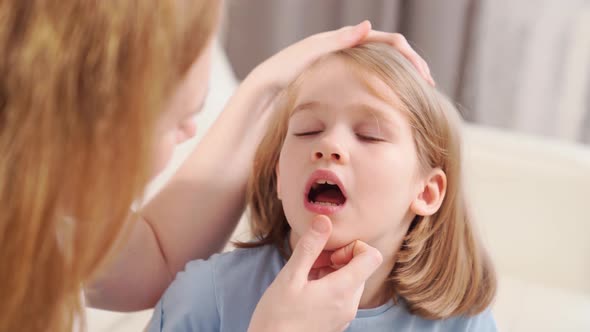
[331, 195]
[325, 193]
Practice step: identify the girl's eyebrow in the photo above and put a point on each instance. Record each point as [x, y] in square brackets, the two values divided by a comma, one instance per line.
[306, 105]
[378, 113]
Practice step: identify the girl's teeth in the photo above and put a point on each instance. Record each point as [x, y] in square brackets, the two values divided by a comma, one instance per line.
[325, 203]
[325, 182]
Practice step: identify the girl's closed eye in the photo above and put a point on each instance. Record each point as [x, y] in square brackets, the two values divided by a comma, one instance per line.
[371, 134]
[370, 137]
[305, 126]
[307, 133]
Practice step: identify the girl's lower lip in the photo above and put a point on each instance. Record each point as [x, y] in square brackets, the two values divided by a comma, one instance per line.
[322, 209]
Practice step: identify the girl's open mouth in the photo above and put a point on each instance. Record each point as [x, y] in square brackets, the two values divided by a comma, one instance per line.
[324, 193]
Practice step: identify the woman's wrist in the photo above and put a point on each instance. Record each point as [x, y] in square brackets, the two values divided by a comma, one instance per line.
[258, 90]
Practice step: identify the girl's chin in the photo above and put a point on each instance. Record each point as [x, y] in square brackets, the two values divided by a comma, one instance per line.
[335, 243]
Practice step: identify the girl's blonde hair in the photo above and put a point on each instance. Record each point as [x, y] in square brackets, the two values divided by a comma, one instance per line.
[441, 269]
[81, 86]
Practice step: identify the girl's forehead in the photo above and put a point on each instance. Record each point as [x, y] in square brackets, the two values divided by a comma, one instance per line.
[339, 81]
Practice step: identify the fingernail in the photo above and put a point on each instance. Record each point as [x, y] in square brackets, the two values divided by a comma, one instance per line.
[363, 22]
[352, 33]
[321, 225]
[357, 27]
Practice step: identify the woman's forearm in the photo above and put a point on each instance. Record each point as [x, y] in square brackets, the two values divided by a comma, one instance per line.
[135, 277]
[194, 214]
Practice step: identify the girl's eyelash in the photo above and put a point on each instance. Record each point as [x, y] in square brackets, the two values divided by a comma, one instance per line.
[369, 138]
[307, 133]
[360, 136]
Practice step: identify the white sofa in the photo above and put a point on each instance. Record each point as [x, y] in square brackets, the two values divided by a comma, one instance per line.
[530, 196]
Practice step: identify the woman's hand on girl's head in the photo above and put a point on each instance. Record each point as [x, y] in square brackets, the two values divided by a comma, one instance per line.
[293, 302]
[400, 43]
[279, 70]
[283, 67]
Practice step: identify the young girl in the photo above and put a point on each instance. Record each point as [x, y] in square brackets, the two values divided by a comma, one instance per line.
[361, 138]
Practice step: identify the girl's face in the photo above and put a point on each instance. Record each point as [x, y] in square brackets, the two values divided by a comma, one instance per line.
[350, 155]
[177, 122]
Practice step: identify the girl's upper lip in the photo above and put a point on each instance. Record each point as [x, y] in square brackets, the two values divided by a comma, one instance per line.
[324, 174]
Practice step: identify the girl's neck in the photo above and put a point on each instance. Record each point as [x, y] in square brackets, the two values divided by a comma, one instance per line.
[377, 289]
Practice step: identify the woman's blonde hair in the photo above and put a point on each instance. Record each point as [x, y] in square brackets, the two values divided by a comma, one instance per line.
[81, 86]
[441, 269]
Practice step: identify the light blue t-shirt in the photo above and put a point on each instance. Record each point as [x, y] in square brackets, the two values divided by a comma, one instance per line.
[221, 293]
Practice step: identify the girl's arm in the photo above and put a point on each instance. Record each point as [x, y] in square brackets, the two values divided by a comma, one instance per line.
[195, 213]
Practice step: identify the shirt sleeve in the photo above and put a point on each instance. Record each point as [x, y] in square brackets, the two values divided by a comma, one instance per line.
[190, 303]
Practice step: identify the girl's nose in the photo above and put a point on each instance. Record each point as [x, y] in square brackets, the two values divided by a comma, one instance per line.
[329, 151]
[320, 155]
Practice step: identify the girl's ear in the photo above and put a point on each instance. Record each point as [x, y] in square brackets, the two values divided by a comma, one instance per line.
[432, 195]
[278, 181]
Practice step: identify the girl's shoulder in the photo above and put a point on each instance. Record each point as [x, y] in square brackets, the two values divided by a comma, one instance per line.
[483, 322]
[226, 287]
[245, 260]
[397, 317]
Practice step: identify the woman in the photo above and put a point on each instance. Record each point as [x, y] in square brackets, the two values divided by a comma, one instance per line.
[93, 97]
